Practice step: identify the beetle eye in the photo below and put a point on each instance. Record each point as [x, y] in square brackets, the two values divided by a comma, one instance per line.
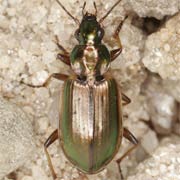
[100, 33]
[77, 32]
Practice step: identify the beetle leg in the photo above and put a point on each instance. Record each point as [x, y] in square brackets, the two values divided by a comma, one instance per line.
[116, 52]
[128, 135]
[58, 76]
[60, 46]
[53, 137]
[65, 56]
[125, 99]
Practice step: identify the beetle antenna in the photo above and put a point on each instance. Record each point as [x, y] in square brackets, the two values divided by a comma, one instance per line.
[84, 5]
[75, 19]
[95, 7]
[102, 19]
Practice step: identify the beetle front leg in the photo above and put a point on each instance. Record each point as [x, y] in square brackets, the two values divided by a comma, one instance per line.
[116, 52]
[128, 135]
[58, 76]
[65, 57]
[52, 138]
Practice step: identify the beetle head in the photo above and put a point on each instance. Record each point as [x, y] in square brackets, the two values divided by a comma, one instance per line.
[89, 31]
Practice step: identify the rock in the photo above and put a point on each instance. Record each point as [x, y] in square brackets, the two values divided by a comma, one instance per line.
[153, 8]
[42, 125]
[172, 87]
[149, 146]
[162, 50]
[162, 107]
[16, 137]
[176, 128]
[39, 173]
[27, 178]
[163, 164]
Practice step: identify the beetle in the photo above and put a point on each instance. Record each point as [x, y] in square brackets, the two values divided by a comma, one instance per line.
[91, 121]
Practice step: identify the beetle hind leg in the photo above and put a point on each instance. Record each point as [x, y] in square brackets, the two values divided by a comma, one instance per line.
[52, 138]
[128, 135]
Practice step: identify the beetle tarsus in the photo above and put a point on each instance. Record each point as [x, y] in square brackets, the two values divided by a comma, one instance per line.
[52, 138]
[118, 29]
[128, 135]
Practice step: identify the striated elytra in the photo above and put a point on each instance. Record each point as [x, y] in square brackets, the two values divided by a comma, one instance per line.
[91, 124]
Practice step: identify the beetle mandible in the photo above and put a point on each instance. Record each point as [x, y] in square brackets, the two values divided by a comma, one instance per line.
[91, 128]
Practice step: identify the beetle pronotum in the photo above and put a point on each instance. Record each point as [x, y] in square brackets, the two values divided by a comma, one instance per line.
[90, 130]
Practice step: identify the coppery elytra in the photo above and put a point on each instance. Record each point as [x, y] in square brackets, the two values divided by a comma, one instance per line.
[90, 129]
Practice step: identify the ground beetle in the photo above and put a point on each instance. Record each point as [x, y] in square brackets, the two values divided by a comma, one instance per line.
[91, 129]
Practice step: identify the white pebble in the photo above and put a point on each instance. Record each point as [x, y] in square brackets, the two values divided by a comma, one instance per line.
[40, 78]
[38, 173]
[48, 57]
[167, 47]
[11, 11]
[4, 62]
[27, 178]
[163, 168]
[16, 137]
[42, 124]
[149, 141]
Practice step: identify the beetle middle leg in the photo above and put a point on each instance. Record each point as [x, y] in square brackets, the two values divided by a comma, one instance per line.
[125, 99]
[58, 76]
[116, 52]
[128, 135]
[52, 138]
[65, 57]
